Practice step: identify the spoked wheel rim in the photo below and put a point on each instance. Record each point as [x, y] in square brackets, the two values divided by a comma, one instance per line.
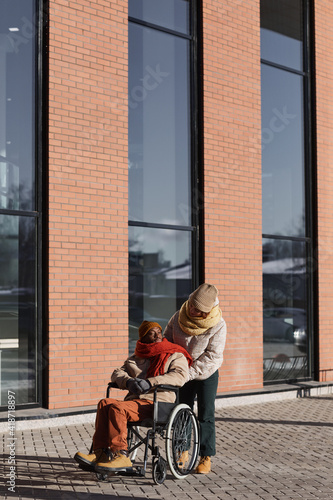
[182, 441]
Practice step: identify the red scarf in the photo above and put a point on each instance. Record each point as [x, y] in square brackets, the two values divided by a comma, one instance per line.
[158, 353]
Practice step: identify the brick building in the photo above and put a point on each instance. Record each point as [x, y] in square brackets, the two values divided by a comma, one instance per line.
[148, 146]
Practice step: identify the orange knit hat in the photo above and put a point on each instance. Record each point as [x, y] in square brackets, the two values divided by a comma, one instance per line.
[146, 326]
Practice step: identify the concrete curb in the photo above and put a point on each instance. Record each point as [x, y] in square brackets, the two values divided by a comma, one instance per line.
[224, 402]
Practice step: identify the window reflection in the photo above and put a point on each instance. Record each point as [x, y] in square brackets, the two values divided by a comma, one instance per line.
[17, 103]
[282, 32]
[285, 282]
[159, 128]
[17, 308]
[282, 153]
[160, 275]
[173, 14]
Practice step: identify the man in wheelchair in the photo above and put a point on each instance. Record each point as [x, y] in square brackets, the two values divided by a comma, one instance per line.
[155, 361]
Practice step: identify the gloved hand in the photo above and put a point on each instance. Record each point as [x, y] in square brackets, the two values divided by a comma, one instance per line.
[138, 385]
[143, 384]
[133, 386]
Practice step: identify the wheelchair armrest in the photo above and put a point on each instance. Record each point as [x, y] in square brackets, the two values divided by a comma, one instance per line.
[162, 387]
[165, 387]
[111, 385]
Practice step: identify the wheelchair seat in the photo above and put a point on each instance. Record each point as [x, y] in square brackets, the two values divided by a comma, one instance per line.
[162, 409]
[161, 415]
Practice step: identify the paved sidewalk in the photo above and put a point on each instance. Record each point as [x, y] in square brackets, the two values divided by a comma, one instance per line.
[278, 450]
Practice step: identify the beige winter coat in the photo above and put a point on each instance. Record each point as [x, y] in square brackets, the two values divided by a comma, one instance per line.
[176, 373]
[206, 349]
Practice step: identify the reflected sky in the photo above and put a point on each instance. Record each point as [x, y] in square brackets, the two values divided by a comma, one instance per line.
[282, 32]
[173, 14]
[159, 128]
[282, 152]
[281, 49]
[17, 104]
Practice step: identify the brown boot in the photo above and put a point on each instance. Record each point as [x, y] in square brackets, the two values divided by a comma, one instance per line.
[90, 459]
[182, 459]
[119, 462]
[204, 466]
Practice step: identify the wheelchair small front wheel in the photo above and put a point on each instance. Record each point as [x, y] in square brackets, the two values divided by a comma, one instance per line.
[182, 441]
[101, 476]
[159, 470]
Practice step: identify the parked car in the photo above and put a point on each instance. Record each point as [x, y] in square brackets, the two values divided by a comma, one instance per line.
[301, 339]
[282, 323]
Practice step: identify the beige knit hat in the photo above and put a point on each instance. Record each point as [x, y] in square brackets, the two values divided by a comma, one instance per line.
[204, 297]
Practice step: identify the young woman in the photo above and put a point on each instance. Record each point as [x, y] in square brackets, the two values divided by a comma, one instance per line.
[200, 329]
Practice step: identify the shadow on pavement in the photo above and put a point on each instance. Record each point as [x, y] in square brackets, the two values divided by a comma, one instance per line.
[41, 493]
[276, 422]
[61, 478]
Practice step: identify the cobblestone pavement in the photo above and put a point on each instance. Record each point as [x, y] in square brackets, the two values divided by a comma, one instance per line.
[276, 450]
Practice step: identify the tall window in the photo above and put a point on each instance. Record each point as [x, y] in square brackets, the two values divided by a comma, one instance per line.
[162, 159]
[18, 206]
[286, 164]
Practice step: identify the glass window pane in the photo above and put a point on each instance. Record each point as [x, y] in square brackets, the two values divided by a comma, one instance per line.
[282, 153]
[282, 32]
[173, 14]
[160, 275]
[18, 308]
[285, 282]
[159, 128]
[17, 104]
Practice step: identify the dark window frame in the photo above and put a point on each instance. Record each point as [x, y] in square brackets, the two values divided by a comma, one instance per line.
[309, 128]
[41, 203]
[196, 134]
[42, 142]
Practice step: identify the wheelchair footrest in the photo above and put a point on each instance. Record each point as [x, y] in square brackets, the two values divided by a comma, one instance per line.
[132, 471]
[125, 471]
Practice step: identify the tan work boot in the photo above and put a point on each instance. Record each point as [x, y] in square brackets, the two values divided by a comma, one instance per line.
[182, 459]
[204, 466]
[119, 462]
[92, 458]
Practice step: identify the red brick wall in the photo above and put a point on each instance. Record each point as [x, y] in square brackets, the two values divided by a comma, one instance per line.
[88, 255]
[324, 105]
[232, 179]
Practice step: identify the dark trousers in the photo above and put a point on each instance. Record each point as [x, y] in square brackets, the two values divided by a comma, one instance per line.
[205, 391]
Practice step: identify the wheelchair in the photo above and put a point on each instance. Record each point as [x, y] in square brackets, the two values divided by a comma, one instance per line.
[177, 425]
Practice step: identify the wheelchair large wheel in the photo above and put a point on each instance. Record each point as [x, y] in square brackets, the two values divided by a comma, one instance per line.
[182, 441]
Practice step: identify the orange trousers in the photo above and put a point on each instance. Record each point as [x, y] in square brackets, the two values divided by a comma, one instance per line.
[111, 421]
